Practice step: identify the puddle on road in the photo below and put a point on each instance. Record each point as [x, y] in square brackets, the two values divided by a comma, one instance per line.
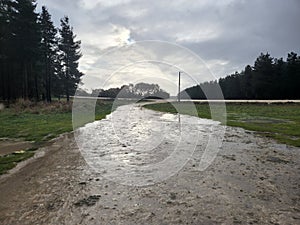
[136, 146]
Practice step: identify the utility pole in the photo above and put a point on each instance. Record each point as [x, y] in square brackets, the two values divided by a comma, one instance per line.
[179, 77]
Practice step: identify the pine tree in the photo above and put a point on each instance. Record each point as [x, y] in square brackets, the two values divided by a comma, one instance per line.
[293, 75]
[7, 21]
[27, 40]
[263, 71]
[70, 55]
[248, 88]
[49, 51]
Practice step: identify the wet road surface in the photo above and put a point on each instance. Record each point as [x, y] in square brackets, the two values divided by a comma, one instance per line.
[252, 180]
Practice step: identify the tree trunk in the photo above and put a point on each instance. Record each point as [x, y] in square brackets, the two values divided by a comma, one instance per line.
[37, 97]
[67, 84]
[25, 80]
[49, 88]
[68, 95]
[2, 75]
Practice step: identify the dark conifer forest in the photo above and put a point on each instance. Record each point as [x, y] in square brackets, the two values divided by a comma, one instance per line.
[268, 78]
[37, 60]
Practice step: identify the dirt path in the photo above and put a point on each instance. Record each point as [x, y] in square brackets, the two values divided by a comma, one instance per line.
[253, 180]
[11, 146]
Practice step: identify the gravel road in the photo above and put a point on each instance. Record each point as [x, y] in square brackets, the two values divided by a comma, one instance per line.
[252, 180]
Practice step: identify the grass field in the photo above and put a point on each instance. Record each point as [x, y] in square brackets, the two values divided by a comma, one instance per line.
[38, 124]
[278, 121]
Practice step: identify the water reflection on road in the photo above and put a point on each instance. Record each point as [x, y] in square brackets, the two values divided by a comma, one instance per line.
[136, 146]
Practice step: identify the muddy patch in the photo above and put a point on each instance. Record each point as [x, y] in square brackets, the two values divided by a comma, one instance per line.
[276, 160]
[11, 146]
[90, 201]
[245, 118]
[264, 120]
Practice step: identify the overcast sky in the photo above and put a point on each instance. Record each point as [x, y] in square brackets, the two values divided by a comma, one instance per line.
[226, 35]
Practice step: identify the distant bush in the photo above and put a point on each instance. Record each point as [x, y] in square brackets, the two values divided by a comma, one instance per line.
[26, 106]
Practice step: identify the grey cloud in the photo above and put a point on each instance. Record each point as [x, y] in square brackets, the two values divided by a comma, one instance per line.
[232, 32]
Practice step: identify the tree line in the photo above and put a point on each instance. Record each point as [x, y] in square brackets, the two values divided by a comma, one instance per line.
[37, 60]
[268, 78]
[140, 90]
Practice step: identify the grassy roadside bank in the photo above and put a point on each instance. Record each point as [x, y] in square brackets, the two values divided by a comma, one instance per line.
[38, 123]
[278, 121]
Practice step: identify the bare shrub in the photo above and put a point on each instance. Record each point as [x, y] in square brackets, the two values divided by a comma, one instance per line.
[26, 106]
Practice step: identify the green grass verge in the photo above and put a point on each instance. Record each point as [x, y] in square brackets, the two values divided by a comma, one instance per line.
[278, 121]
[39, 125]
[8, 162]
